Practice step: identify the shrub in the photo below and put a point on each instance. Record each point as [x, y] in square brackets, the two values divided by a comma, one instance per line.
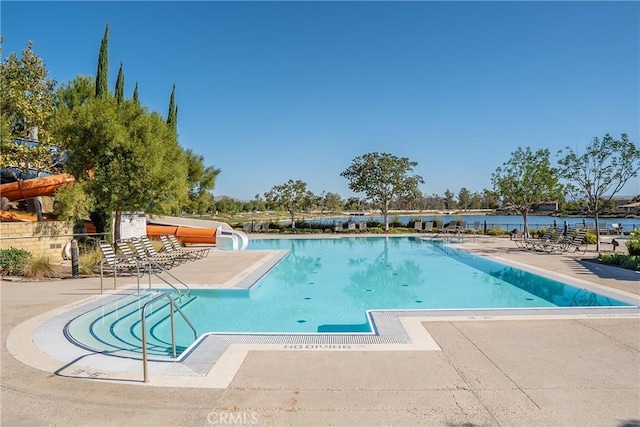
[630, 262]
[13, 261]
[400, 230]
[633, 243]
[496, 232]
[39, 266]
[375, 230]
[612, 259]
[590, 238]
[88, 261]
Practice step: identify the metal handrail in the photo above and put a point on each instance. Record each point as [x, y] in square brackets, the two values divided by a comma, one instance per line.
[172, 306]
[164, 270]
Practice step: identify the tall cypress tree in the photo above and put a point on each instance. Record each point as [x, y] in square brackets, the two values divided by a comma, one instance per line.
[175, 120]
[102, 76]
[135, 94]
[120, 86]
[171, 115]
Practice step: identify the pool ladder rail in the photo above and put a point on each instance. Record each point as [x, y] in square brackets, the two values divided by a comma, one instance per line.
[173, 307]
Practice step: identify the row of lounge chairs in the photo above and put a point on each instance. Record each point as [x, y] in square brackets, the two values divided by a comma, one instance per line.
[138, 255]
[339, 226]
[555, 240]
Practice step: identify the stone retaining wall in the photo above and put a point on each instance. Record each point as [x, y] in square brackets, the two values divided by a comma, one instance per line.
[40, 238]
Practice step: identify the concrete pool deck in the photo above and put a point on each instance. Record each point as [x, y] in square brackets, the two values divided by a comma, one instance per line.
[490, 370]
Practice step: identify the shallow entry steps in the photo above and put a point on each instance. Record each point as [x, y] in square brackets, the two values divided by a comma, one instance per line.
[114, 328]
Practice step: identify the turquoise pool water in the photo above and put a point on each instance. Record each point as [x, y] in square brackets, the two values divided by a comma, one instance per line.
[327, 285]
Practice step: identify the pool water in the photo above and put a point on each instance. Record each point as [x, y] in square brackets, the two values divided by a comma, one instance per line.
[327, 285]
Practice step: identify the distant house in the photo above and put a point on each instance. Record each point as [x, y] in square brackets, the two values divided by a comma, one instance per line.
[548, 207]
[631, 207]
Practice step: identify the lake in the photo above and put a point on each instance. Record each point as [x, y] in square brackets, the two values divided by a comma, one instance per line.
[505, 222]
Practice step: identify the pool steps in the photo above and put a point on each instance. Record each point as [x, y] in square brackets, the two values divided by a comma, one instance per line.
[116, 331]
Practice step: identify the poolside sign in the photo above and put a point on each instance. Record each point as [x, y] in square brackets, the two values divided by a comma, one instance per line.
[133, 224]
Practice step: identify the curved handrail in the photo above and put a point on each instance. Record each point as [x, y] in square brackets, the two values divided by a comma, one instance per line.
[164, 270]
[143, 322]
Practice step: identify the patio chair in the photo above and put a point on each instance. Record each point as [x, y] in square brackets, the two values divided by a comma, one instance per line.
[163, 261]
[362, 226]
[351, 225]
[204, 252]
[191, 255]
[572, 243]
[451, 228]
[114, 264]
[555, 239]
[337, 227]
[617, 229]
[529, 242]
[428, 227]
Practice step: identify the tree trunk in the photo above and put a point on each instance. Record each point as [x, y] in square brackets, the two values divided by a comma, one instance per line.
[597, 221]
[526, 223]
[293, 219]
[385, 213]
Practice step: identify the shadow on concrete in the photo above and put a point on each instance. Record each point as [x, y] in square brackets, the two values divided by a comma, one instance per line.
[87, 374]
[607, 271]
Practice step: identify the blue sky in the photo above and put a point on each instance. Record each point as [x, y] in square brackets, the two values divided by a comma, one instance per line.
[272, 91]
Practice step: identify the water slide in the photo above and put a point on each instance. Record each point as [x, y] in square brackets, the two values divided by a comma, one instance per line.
[26, 189]
[199, 231]
[188, 230]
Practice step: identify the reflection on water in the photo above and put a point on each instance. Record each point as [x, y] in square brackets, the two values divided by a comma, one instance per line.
[328, 284]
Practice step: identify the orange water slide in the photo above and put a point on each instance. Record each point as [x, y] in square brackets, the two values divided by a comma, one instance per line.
[26, 189]
[185, 234]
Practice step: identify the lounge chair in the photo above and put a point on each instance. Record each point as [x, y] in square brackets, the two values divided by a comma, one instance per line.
[351, 225]
[337, 227]
[528, 243]
[428, 227]
[164, 261]
[362, 226]
[417, 225]
[176, 245]
[451, 227]
[556, 238]
[191, 255]
[616, 229]
[114, 264]
[573, 242]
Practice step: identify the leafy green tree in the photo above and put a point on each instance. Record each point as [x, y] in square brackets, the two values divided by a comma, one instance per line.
[201, 180]
[102, 75]
[255, 205]
[73, 202]
[600, 172]
[120, 85]
[26, 106]
[449, 201]
[526, 180]
[490, 199]
[76, 92]
[464, 198]
[475, 201]
[291, 196]
[135, 159]
[333, 202]
[384, 178]
[227, 205]
[354, 204]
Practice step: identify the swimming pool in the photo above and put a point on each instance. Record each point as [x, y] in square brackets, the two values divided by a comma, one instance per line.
[327, 285]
